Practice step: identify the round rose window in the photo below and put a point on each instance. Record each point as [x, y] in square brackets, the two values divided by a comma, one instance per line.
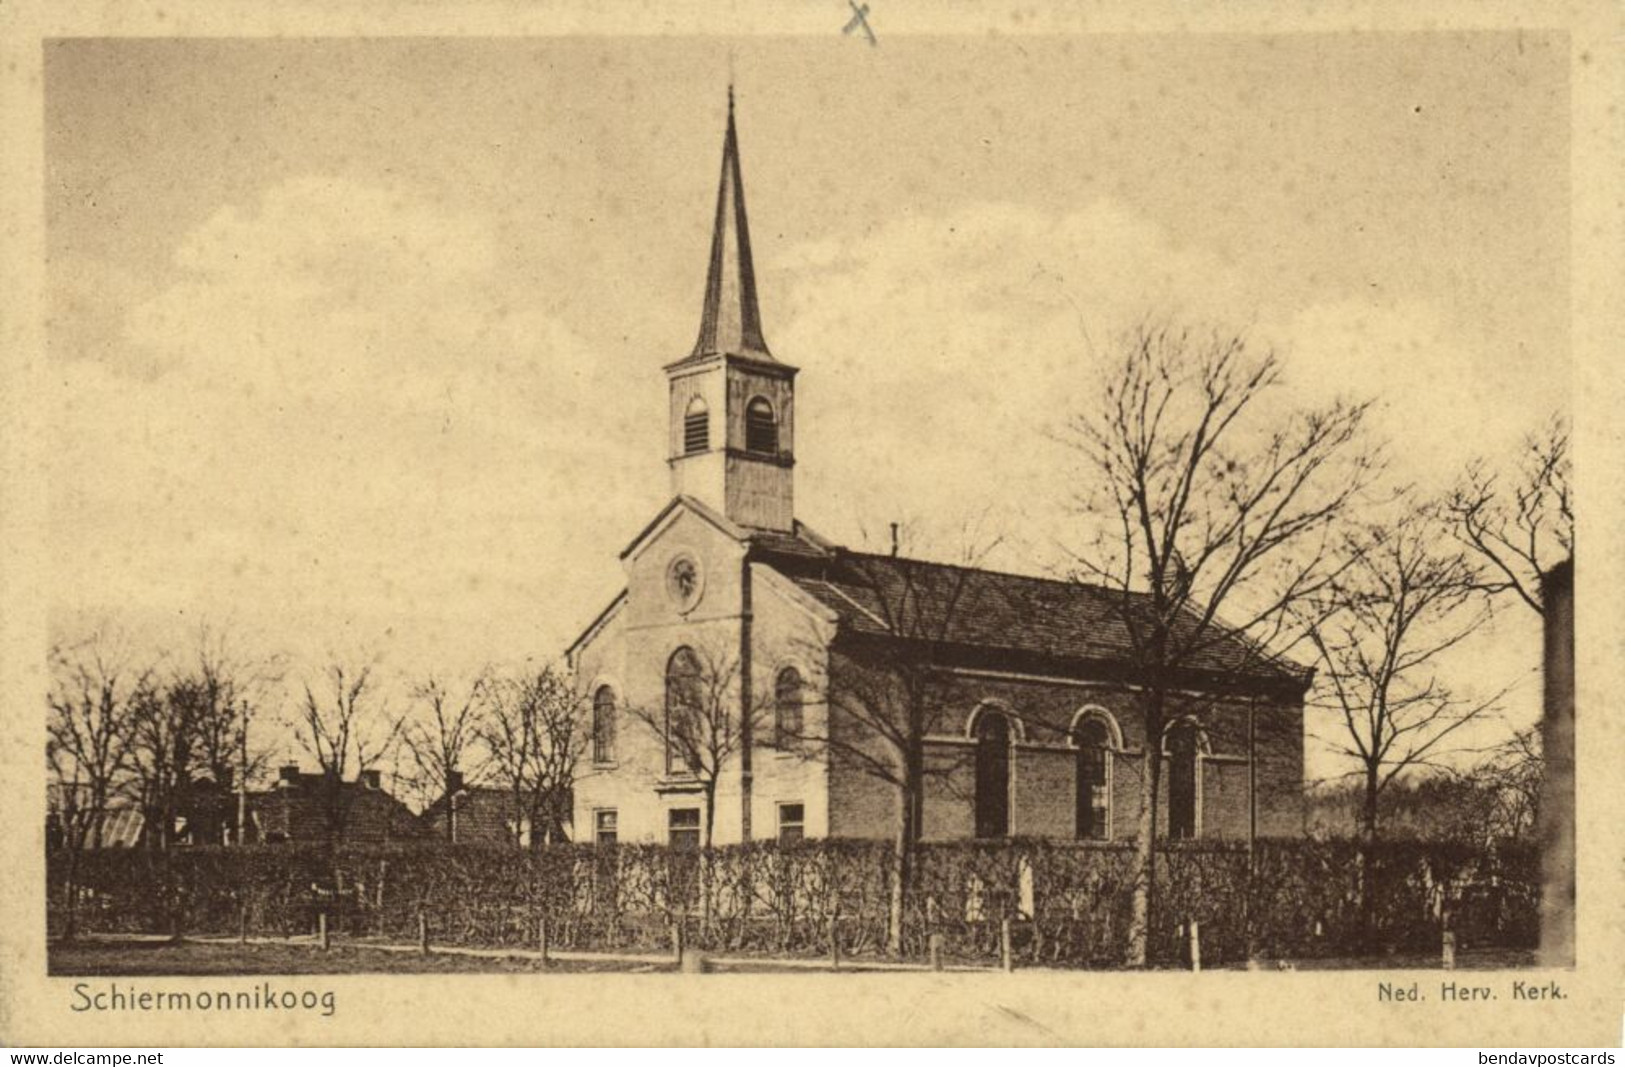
[684, 581]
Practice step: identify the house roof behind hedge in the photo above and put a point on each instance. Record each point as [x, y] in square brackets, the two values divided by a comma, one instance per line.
[297, 811]
[482, 816]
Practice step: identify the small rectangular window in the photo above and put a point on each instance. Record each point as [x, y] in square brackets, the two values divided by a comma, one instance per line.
[792, 823]
[683, 827]
[605, 826]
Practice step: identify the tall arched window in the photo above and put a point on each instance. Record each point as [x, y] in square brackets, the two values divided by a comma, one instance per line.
[683, 709]
[1184, 750]
[761, 427]
[1094, 745]
[992, 774]
[603, 725]
[787, 699]
[696, 427]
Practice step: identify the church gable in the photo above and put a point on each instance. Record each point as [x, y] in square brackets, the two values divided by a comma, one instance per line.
[685, 569]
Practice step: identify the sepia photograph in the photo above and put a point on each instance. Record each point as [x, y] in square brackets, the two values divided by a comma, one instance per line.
[845, 504]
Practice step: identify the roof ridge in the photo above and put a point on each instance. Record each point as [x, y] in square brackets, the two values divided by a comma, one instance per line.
[1066, 583]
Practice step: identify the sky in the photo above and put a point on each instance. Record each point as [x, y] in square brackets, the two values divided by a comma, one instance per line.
[356, 346]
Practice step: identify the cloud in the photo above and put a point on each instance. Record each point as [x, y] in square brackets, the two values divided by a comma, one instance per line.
[355, 412]
[943, 354]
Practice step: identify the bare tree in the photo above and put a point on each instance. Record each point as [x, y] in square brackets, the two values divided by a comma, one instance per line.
[162, 748]
[96, 692]
[702, 723]
[190, 742]
[1512, 774]
[1520, 524]
[1407, 599]
[535, 729]
[893, 692]
[346, 728]
[231, 689]
[440, 734]
[1208, 503]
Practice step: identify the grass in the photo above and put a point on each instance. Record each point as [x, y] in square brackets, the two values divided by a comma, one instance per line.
[137, 958]
[1480, 959]
[127, 958]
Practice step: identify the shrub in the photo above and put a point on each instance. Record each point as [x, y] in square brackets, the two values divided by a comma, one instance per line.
[1068, 902]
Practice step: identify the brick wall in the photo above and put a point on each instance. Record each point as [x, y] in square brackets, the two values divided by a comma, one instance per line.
[1044, 792]
[1043, 789]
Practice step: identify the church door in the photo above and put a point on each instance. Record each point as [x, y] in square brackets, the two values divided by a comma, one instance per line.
[992, 775]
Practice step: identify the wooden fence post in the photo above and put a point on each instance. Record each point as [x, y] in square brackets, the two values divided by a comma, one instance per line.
[541, 938]
[934, 950]
[1196, 945]
[1447, 950]
[242, 923]
[834, 942]
[321, 931]
[1007, 959]
[677, 941]
[423, 932]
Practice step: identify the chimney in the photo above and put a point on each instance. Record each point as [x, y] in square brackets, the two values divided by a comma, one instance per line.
[288, 776]
[371, 779]
[454, 782]
[894, 539]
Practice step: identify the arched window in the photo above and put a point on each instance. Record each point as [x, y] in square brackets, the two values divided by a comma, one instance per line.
[992, 774]
[761, 427]
[1183, 751]
[696, 427]
[603, 725]
[683, 709]
[1093, 740]
[787, 700]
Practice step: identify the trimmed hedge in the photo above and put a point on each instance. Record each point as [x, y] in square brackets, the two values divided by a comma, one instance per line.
[1069, 903]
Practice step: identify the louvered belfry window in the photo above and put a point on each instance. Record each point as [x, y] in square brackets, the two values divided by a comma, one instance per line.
[696, 428]
[761, 428]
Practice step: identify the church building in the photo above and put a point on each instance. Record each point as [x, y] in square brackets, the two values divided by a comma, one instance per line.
[756, 680]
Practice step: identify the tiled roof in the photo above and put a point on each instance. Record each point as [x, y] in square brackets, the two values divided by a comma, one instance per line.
[483, 816]
[802, 543]
[122, 821]
[993, 611]
[296, 811]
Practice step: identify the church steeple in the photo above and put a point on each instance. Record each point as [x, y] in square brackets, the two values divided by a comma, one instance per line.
[732, 430]
[730, 321]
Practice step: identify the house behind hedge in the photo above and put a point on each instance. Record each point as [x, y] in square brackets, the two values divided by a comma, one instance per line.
[1032, 725]
[302, 807]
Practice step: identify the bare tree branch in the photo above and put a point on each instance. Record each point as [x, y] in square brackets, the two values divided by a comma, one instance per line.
[1521, 523]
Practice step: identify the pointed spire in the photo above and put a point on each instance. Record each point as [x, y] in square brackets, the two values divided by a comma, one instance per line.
[730, 322]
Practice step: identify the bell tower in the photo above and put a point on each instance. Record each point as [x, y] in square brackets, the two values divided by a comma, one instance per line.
[732, 404]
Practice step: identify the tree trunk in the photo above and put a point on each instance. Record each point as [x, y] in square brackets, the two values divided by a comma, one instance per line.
[1145, 856]
[710, 793]
[70, 891]
[1368, 839]
[1143, 910]
[902, 866]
